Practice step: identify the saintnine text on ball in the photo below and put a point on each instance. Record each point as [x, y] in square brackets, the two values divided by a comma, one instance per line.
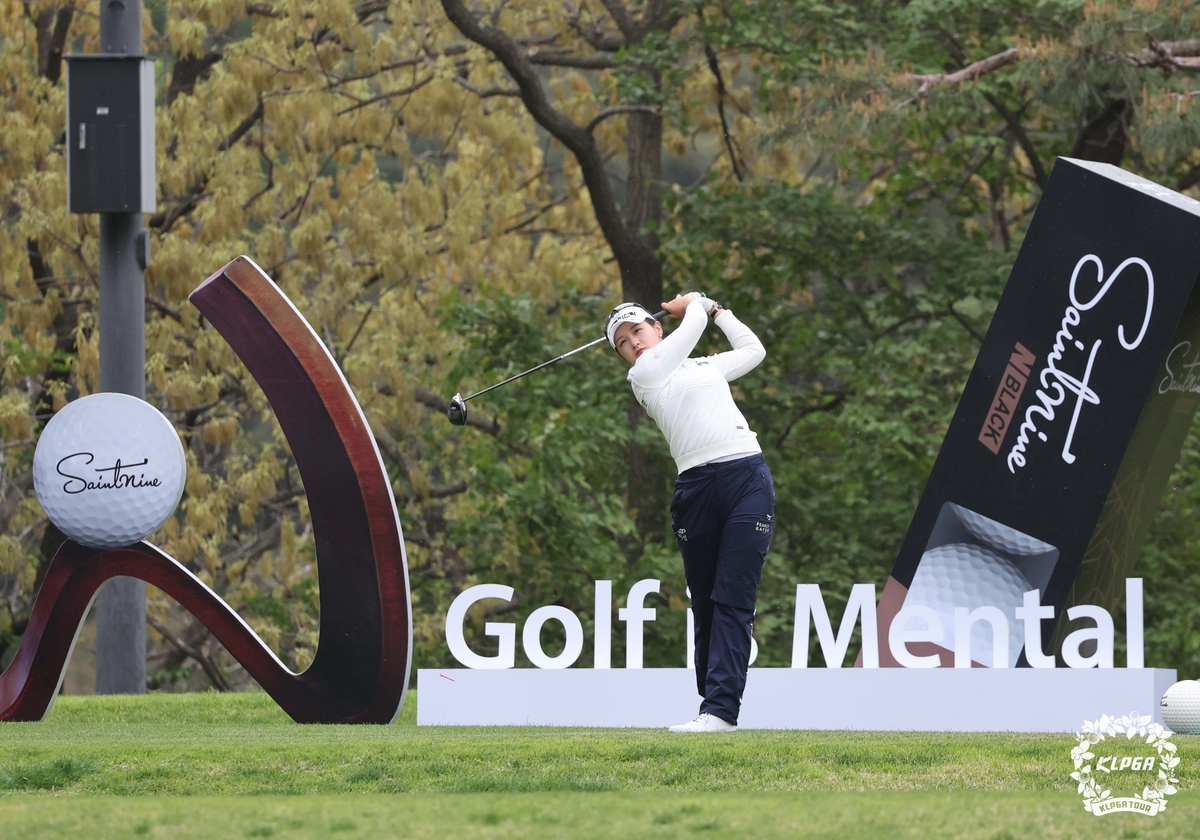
[117, 477]
[911, 625]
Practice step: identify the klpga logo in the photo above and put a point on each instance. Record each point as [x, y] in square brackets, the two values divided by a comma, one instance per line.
[1154, 770]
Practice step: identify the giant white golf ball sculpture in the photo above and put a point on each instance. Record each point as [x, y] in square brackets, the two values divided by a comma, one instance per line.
[109, 470]
[1180, 707]
[971, 576]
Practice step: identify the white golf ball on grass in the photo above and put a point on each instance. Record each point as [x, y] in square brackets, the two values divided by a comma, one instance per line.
[109, 470]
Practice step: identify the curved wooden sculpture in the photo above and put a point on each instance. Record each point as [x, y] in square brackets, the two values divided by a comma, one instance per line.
[360, 671]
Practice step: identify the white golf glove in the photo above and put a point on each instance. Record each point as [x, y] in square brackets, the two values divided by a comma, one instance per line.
[707, 303]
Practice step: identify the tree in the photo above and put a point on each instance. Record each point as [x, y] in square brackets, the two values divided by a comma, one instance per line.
[338, 146]
[451, 192]
[930, 140]
[573, 38]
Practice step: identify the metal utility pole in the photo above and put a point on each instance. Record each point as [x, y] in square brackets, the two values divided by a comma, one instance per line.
[121, 604]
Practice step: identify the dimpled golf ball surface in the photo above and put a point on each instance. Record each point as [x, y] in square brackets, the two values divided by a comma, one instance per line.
[108, 470]
[1000, 537]
[1180, 707]
[971, 576]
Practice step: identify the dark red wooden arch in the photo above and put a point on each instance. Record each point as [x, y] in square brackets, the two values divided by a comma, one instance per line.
[361, 668]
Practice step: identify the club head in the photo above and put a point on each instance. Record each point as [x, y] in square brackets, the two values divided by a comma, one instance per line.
[456, 412]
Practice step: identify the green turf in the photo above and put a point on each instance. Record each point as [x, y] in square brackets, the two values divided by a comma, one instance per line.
[834, 815]
[101, 767]
[243, 744]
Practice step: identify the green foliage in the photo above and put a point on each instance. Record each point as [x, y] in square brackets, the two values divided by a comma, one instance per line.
[871, 325]
[1172, 573]
[547, 494]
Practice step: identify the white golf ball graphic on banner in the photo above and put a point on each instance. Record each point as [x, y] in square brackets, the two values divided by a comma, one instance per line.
[999, 537]
[108, 470]
[970, 576]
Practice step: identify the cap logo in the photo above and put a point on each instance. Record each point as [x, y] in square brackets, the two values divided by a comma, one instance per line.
[624, 314]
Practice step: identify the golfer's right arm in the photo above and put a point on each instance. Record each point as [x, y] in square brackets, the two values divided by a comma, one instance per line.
[654, 367]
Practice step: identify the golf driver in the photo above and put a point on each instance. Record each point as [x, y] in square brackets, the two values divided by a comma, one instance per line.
[456, 413]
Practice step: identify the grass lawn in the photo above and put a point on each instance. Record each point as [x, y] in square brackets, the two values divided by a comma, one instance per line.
[212, 765]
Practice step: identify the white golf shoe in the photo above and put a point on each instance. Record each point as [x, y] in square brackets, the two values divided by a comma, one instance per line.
[704, 723]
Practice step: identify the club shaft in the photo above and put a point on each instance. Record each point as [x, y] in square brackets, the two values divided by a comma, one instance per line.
[658, 316]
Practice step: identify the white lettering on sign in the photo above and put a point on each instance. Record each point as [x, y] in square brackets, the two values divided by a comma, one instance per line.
[506, 634]
[633, 614]
[1057, 383]
[860, 605]
[912, 624]
[1030, 613]
[901, 633]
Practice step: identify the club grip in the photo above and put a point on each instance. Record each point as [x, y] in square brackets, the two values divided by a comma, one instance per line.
[660, 314]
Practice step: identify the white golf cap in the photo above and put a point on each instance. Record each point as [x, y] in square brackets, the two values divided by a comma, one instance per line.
[624, 314]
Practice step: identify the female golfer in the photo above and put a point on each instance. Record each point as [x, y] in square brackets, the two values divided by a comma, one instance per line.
[724, 497]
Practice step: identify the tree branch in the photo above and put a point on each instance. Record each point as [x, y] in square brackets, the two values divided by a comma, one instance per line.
[1181, 48]
[405, 91]
[558, 57]
[485, 93]
[1168, 55]
[51, 42]
[165, 220]
[828, 405]
[265, 541]
[1191, 179]
[597, 39]
[969, 73]
[621, 18]
[188, 70]
[210, 668]
[715, 67]
[661, 14]
[1018, 131]
[173, 314]
[618, 109]
[628, 249]
[965, 324]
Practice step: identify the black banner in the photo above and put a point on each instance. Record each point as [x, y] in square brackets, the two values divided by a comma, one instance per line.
[1074, 413]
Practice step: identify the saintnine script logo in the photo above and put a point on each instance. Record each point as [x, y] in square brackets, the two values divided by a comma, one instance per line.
[117, 477]
[1181, 374]
[1154, 770]
[1056, 382]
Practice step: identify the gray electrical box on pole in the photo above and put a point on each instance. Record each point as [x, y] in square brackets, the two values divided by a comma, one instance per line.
[110, 171]
[110, 134]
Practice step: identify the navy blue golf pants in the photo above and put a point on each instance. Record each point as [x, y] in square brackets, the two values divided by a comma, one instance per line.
[722, 517]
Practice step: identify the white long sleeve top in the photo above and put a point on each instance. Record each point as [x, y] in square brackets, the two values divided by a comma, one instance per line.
[690, 399]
